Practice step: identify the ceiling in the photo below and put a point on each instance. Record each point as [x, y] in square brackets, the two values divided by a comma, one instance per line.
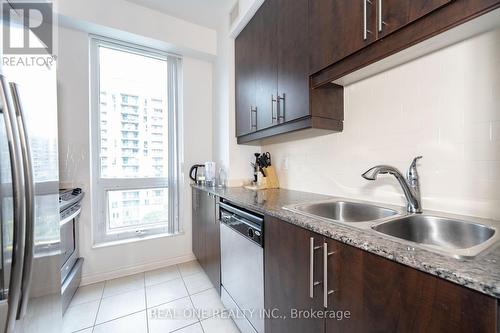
[209, 13]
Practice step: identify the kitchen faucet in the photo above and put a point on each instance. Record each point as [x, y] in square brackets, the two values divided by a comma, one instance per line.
[410, 184]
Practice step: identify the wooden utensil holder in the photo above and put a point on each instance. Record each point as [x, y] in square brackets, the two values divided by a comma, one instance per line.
[271, 177]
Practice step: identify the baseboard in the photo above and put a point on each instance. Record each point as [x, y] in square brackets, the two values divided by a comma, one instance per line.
[129, 270]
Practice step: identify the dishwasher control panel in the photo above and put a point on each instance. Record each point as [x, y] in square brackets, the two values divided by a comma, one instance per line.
[243, 222]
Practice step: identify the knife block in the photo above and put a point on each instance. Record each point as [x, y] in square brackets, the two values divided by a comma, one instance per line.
[271, 177]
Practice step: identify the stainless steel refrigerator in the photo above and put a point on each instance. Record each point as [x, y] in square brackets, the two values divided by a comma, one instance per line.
[30, 284]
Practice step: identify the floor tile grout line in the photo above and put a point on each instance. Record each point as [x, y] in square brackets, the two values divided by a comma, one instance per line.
[192, 303]
[181, 276]
[155, 306]
[121, 317]
[183, 327]
[97, 313]
[125, 291]
[102, 297]
[86, 302]
[155, 284]
[99, 307]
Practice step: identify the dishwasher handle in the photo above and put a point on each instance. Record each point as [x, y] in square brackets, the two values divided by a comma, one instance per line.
[253, 217]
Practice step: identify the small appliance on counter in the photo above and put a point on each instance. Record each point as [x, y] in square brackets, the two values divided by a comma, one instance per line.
[71, 263]
[264, 173]
[197, 174]
[203, 174]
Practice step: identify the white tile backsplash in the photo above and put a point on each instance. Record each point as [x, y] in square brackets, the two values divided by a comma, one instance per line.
[444, 106]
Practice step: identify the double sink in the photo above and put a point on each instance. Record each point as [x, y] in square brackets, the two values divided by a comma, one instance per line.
[442, 233]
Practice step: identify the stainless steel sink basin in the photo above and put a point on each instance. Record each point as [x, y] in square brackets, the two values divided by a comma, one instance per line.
[345, 211]
[451, 236]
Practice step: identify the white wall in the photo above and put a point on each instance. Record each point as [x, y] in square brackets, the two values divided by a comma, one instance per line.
[112, 17]
[444, 106]
[74, 149]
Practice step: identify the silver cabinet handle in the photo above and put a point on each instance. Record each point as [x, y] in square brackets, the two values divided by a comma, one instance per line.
[380, 15]
[274, 100]
[29, 185]
[326, 292]
[19, 205]
[252, 112]
[312, 283]
[365, 24]
[281, 115]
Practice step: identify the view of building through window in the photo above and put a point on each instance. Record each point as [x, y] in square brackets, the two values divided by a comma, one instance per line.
[133, 135]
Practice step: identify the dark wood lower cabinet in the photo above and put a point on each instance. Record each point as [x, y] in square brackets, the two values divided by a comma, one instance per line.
[198, 227]
[206, 234]
[384, 296]
[366, 293]
[286, 277]
[212, 243]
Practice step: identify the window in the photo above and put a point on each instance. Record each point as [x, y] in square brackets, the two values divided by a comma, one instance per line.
[135, 157]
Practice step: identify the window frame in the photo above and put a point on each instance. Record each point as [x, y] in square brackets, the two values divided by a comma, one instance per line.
[101, 233]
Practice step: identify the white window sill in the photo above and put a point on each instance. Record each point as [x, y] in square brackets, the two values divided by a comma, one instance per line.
[135, 239]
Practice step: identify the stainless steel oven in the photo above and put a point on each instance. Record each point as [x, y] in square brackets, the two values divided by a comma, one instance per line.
[71, 263]
[242, 266]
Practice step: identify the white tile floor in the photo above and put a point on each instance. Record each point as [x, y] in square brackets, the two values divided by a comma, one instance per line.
[162, 300]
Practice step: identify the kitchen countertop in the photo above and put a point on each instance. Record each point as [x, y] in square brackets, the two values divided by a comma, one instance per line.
[481, 273]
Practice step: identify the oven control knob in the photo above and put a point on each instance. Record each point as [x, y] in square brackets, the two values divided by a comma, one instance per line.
[250, 233]
[76, 191]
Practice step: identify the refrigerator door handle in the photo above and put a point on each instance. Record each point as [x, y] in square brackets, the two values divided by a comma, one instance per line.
[29, 186]
[19, 206]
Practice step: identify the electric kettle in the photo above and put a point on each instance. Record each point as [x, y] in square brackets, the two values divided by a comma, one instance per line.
[197, 173]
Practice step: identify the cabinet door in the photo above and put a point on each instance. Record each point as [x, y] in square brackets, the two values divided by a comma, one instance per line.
[384, 296]
[338, 28]
[212, 242]
[266, 71]
[197, 225]
[293, 59]
[395, 14]
[245, 54]
[287, 276]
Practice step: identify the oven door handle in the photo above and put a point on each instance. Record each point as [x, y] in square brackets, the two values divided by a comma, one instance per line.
[71, 217]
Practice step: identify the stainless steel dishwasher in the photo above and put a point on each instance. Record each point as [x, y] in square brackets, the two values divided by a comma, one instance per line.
[242, 266]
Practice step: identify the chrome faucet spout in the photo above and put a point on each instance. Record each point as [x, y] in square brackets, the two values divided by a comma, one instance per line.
[410, 184]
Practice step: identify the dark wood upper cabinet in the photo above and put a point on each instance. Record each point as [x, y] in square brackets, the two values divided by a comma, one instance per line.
[293, 60]
[245, 62]
[338, 28]
[395, 14]
[272, 76]
[292, 50]
[266, 63]
[287, 276]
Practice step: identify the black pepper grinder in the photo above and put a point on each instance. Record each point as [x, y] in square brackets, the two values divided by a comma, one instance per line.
[256, 168]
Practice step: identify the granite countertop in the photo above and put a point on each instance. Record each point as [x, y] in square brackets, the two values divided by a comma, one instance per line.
[481, 273]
